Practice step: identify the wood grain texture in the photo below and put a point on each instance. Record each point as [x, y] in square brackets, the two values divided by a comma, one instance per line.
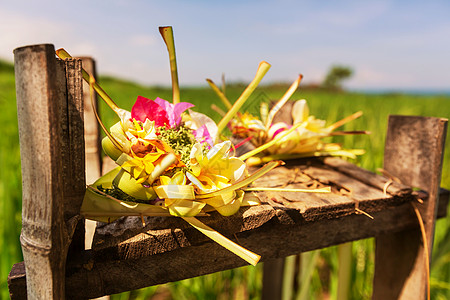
[40, 90]
[72, 147]
[195, 255]
[367, 177]
[50, 117]
[272, 279]
[283, 205]
[72, 150]
[413, 153]
[102, 273]
[162, 255]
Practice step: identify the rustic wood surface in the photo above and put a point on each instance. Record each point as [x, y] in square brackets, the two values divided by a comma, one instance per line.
[413, 154]
[272, 283]
[127, 256]
[102, 273]
[50, 197]
[348, 193]
[72, 150]
[176, 251]
[38, 76]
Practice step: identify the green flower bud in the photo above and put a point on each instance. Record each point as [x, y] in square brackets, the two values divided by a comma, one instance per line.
[110, 149]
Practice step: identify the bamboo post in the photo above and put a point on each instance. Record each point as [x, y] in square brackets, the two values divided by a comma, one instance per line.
[413, 153]
[51, 144]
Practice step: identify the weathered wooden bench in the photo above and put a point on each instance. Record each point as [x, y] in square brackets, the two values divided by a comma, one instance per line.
[126, 256]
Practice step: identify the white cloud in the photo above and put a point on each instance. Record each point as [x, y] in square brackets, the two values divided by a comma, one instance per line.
[18, 30]
[387, 44]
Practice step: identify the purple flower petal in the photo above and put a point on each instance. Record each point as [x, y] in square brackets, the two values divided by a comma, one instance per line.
[202, 135]
[179, 109]
[173, 111]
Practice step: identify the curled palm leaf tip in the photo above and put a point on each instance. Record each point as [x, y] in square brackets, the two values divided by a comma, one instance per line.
[173, 161]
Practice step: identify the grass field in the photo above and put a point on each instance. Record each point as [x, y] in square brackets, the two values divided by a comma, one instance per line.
[244, 283]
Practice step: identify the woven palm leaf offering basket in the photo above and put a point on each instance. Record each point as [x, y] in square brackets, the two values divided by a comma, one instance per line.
[174, 161]
[270, 140]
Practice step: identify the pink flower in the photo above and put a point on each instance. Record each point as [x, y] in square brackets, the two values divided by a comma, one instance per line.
[202, 135]
[161, 111]
[174, 111]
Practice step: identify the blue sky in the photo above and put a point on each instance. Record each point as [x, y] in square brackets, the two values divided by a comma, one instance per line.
[389, 44]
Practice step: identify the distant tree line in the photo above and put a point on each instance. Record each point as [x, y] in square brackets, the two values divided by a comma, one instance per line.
[336, 75]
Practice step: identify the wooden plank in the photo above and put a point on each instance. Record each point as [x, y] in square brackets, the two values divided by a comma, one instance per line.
[73, 141]
[272, 240]
[354, 189]
[118, 235]
[367, 177]
[424, 135]
[413, 153]
[288, 207]
[44, 239]
[103, 271]
[16, 282]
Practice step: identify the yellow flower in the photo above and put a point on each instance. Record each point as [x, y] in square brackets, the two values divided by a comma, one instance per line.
[216, 169]
[141, 167]
[179, 198]
[128, 133]
[177, 179]
[306, 138]
[145, 155]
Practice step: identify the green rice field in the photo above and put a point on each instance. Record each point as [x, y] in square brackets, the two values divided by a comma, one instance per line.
[319, 269]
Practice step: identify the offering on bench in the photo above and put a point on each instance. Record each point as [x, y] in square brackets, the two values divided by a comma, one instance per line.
[174, 161]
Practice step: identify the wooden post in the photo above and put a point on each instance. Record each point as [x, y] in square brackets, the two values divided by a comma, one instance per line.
[51, 145]
[92, 142]
[273, 270]
[91, 127]
[413, 153]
